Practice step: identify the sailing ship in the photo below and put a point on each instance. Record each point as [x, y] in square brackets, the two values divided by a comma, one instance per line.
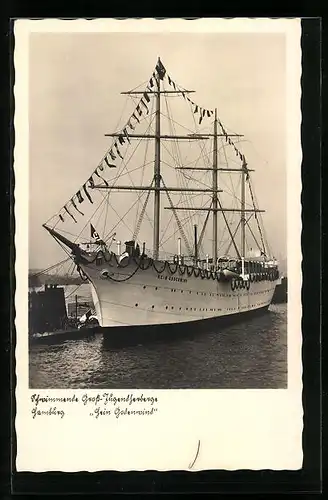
[201, 277]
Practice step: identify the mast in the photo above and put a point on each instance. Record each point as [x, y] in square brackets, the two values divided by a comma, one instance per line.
[157, 169]
[195, 243]
[215, 188]
[242, 214]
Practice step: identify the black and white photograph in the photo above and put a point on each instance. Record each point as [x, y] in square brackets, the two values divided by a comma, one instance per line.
[158, 175]
[157, 211]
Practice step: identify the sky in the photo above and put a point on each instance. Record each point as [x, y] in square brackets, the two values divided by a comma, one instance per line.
[75, 82]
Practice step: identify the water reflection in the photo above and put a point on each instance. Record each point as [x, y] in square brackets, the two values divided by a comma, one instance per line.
[251, 355]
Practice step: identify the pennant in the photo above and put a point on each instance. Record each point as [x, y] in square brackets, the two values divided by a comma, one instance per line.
[100, 177]
[204, 112]
[74, 205]
[142, 102]
[174, 85]
[208, 113]
[79, 197]
[121, 139]
[135, 117]
[183, 94]
[110, 165]
[91, 183]
[61, 217]
[169, 79]
[87, 194]
[130, 125]
[226, 137]
[160, 69]
[229, 140]
[241, 156]
[188, 99]
[200, 119]
[196, 109]
[126, 135]
[146, 97]
[101, 166]
[236, 151]
[151, 82]
[211, 111]
[111, 154]
[139, 110]
[69, 213]
[118, 151]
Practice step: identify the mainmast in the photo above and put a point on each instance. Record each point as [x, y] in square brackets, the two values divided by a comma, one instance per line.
[215, 189]
[157, 169]
[242, 213]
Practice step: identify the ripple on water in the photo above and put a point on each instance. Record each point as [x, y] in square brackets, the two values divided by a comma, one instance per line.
[247, 355]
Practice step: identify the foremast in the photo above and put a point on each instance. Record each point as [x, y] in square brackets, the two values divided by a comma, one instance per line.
[157, 169]
[215, 188]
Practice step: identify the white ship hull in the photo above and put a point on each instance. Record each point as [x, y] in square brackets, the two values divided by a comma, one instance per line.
[131, 296]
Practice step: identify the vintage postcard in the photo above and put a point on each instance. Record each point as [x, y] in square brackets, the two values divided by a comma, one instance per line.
[158, 244]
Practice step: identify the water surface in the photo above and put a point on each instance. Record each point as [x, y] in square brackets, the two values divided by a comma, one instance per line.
[248, 355]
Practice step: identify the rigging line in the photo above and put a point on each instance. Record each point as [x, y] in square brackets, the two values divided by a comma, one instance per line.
[184, 221]
[137, 87]
[179, 158]
[172, 215]
[103, 210]
[177, 123]
[126, 213]
[73, 291]
[200, 241]
[251, 231]
[142, 213]
[178, 223]
[134, 150]
[267, 246]
[172, 130]
[118, 176]
[202, 149]
[143, 170]
[106, 214]
[125, 164]
[189, 201]
[39, 273]
[88, 221]
[235, 232]
[125, 224]
[227, 163]
[256, 218]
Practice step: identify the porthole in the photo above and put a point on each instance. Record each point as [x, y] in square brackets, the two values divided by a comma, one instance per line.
[136, 305]
[172, 307]
[155, 287]
[166, 307]
[152, 307]
[144, 287]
